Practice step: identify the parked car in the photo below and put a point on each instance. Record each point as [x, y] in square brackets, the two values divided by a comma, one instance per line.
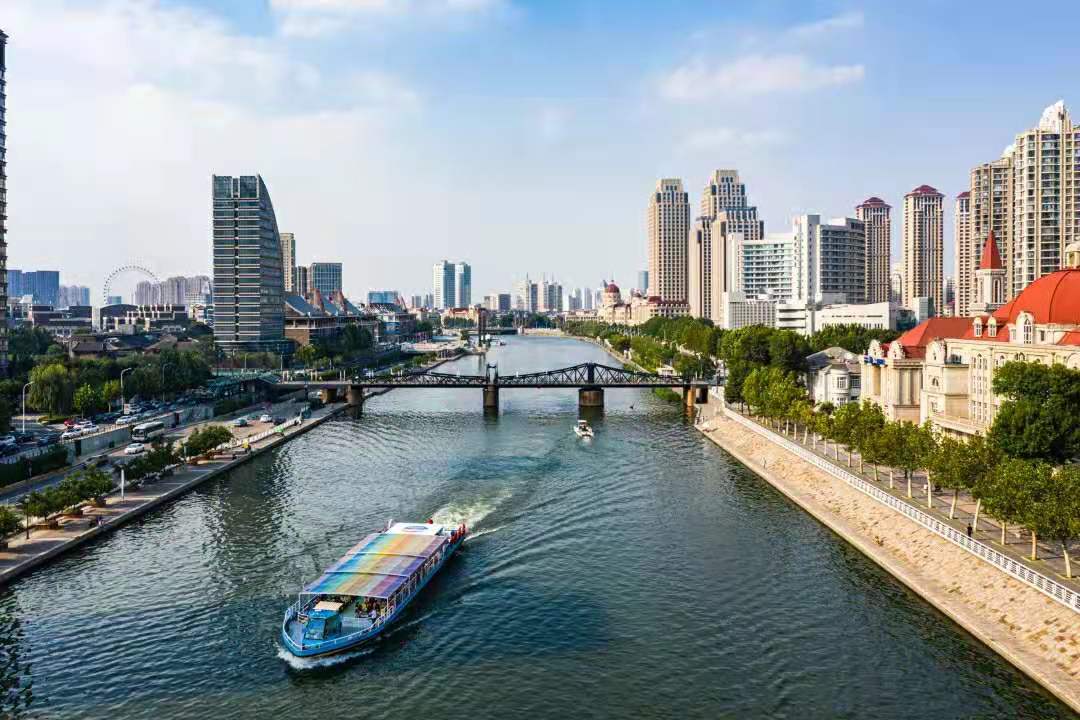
[7, 441]
[70, 422]
[134, 449]
[48, 439]
[266, 418]
[71, 434]
[126, 419]
[240, 422]
[87, 427]
[278, 419]
[26, 438]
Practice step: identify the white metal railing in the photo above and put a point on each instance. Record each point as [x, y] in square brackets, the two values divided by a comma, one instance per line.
[257, 437]
[1066, 596]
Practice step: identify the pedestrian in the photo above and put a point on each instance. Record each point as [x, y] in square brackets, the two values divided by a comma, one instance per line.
[969, 530]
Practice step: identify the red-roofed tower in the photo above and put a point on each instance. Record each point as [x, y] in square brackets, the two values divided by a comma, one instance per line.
[989, 278]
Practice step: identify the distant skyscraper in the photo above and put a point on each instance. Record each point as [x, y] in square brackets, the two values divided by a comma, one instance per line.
[963, 278]
[587, 296]
[288, 260]
[762, 266]
[990, 210]
[73, 295]
[42, 285]
[875, 214]
[429, 300]
[443, 285]
[114, 300]
[830, 260]
[382, 297]
[1045, 196]
[726, 219]
[416, 301]
[3, 205]
[462, 284]
[643, 281]
[527, 296]
[551, 296]
[668, 226]
[923, 248]
[249, 305]
[301, 280]
[326, 278]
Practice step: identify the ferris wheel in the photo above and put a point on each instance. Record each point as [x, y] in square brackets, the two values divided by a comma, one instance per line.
[124, 270]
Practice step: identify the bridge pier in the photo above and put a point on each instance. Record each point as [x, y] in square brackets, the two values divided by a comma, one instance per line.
[590, 397]
[328, 395]
[355, 396]
[491, 399]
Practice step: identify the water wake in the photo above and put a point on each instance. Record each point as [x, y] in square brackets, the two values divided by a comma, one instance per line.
[314, 663]
[469, 512]
[479, 533]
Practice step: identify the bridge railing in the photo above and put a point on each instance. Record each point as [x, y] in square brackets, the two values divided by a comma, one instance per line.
[1055, 590]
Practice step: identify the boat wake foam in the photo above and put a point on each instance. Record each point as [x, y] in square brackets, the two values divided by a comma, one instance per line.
[470, 513]
[479, 533]
[314, 663]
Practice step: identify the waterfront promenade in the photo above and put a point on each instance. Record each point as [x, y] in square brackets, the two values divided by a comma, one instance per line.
[24, 553]
[1032, 631]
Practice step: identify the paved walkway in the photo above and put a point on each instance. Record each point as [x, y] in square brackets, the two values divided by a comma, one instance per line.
[24, 553]
[1032, 631]
[1051, 560]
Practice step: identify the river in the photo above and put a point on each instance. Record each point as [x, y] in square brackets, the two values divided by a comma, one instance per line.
[642, 574]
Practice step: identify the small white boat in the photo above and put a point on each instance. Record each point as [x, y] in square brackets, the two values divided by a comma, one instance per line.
[583, 430]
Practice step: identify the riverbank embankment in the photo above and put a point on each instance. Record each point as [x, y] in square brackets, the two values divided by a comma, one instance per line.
[1036, 634]
[24, 552]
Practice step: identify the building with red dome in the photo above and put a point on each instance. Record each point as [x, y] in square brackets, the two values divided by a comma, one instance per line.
[942, 370]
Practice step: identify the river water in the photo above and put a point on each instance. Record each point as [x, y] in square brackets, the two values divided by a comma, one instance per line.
[642, 574]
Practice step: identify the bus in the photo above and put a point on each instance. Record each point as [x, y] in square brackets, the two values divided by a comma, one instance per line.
[148, 431]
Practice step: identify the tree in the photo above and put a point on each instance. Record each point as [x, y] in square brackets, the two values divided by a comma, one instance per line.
[1003, 491]
[867, 433]
[88, 401]
[845, 426]
[1056, 511]
[52, 388]
[9, 521]
[306, 355]
[958, 465]
[788, 350]
[915, 443]
[1038, 419]
[110, 391]
[205, 439]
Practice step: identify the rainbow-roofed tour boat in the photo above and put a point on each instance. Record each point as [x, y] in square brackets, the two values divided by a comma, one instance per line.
[361, 594]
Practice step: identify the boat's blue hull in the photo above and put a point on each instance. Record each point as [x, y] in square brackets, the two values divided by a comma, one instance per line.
[350, 642]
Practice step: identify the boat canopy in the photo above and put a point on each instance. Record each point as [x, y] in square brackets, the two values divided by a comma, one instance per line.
[377, 566]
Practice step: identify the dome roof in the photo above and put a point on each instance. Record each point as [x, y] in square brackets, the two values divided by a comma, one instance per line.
[872, 202]
[611, 288]
[1053, 298]
[924, 190]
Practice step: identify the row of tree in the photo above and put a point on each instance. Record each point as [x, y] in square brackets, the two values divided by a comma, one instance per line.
[89, 386]
[1017, 490]
[89, 484]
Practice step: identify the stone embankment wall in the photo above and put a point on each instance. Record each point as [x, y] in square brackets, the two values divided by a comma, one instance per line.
[1035, 633]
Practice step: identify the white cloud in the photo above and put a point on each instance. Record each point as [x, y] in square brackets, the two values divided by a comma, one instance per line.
[313, 18]
[846, 21]
[726, 138]
[118, 114]
[753, 75]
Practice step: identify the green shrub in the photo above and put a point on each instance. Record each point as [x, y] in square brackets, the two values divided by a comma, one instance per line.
[10, 521]
[205, 439]
[155, 460]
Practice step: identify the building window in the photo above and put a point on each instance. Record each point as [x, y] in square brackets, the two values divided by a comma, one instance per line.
[991, 328]
[978, 327]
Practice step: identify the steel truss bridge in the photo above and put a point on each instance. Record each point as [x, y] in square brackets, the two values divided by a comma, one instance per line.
[589, 378]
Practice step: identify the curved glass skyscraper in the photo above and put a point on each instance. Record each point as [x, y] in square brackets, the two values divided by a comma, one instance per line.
[249, 287]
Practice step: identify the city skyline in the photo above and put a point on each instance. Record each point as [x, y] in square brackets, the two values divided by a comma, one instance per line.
[550, 114]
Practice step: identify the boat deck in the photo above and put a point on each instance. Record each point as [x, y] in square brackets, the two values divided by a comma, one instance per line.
[350, 624]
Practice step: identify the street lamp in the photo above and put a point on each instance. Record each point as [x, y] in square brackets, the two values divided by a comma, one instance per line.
[24, 406]
[123, 400]
[163, 366]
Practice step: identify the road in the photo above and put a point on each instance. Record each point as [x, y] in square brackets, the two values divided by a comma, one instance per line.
[179, 434]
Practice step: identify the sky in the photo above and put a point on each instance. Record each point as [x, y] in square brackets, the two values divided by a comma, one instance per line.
[521, 137]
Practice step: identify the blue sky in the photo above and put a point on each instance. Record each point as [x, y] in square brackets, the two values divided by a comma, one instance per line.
[524, 137]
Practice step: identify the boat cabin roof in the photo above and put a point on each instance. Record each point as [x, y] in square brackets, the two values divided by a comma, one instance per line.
[379, 564]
